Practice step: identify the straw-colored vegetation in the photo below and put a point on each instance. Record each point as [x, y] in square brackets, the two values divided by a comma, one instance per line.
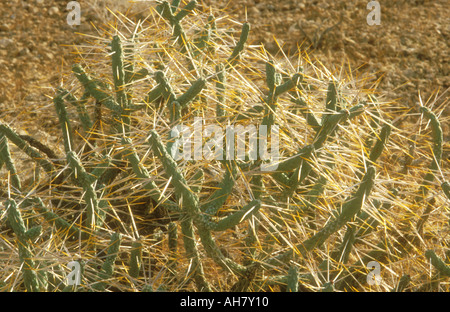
[359, 179]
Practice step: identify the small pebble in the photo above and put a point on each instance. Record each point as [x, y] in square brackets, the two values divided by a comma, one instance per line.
[53, 11]
[6, 42]
[4, 27]
[254, 10]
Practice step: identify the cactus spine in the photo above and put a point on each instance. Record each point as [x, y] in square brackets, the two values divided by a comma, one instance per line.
[334, 189]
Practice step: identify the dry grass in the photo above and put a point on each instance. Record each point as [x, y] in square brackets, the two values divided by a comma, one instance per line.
[397, 239]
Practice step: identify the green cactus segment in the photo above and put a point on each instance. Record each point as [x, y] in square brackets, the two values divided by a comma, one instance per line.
[154, 94]
[135, 259]
[325, 131]
[173, 7]
[302, 171]
[42, 276]
[15, 219]
[358, 271]
[147, 288]
[377, 148]
[270, 77]
[55, 279]
[297, 177]
[175, 113]
[356, 110]
[196, 266]
[301, 161]
[289, 84]
[192, 92]
[128, 64]
[30, 276]
[26, 148]
[328, 287]
[355, 234]
[215, 253]
[344, 250]
[380, 144]
[166, 89]
[437, 137]
[64, 122]
[173, 247]
[239, 46]
[446, 188]
[257, 186]
[190, 199]
[178, 33]
[437, 151]
[220, 196]
[190, 206]
[5, 157]
[295, 161]
[113, 170]
[142, 173]
[173, 238]
[331, 100]
[134, 76]
[80, 106]
[329, 126]
[108, 266]
[118, 71]
[100, 169]
[90, 196]
[275, 90]
[58, 222]
[94, 90]
[330, 103]
[83, 178]
[368, 223]
[353, 205]
[34, 232]
[175, 4]
[236, 218]
[342, 253]
[197, 181]
[313, 195]
[349, 209]
[307, 113]
[438, 263]
[220, 89]
[403, 283]
[292, 280]
[130, 154]
[204, 41]
[166, 11]
[188, 8]
[3, 150]
[270, 108]
[374, 124]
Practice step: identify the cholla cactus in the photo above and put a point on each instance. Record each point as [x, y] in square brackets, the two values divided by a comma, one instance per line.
[335, 199]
